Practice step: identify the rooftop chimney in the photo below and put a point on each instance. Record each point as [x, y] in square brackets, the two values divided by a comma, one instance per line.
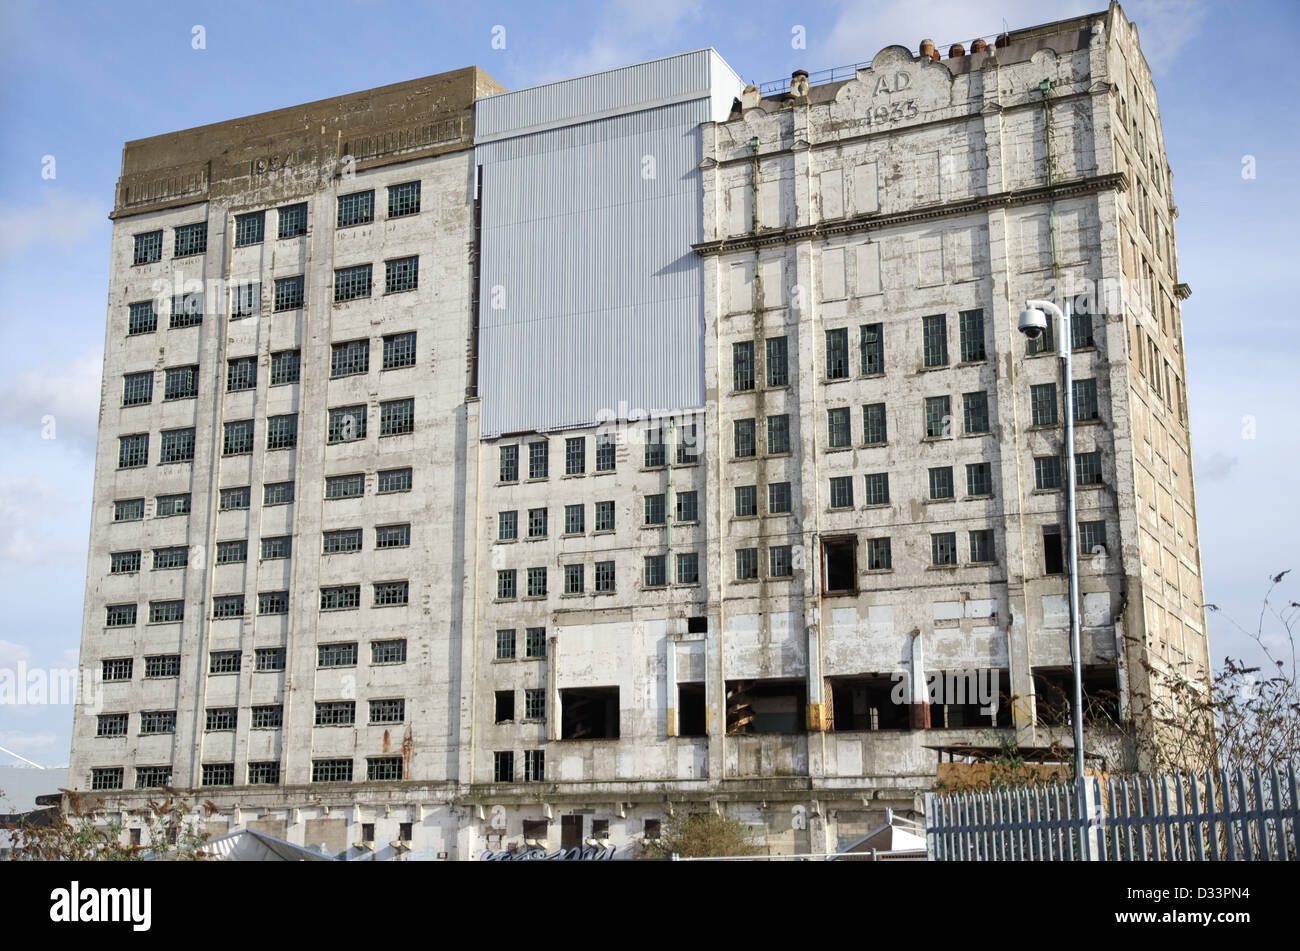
[799, 82]
[978, 46]
[927, 49]
[1002, 40]
[956, 51]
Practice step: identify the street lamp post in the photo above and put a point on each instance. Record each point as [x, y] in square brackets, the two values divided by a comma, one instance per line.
[1033, 322]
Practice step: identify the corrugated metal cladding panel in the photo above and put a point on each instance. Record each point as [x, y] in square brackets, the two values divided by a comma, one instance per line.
[591, 295]
[574, 100]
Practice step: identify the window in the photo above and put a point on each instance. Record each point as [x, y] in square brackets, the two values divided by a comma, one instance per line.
[241, 374]
[148, 248]
[403, 199]
[975, 412]
[149, 777]
[688, 568]
[1085, 400]
[507, 526]
[981, 547]
[842, 492]
[190, 239]
[971, 325]
[388, 652]
[877, 488]
[142, 318]
[575, 455]
[837, 428]
[401, 274]
[1042, 398]
[229, 553]
[342, 541]
[277, 493]
[744, 438]
[176, 445]
[161, 666]
[1092, 538]
[1045, 342]
[938, 417]
[508, 467]
[393, 480]
[273, 602]
[276, 547]
[166, 612]
[335, 713]
[389, 593]
[1081, 332]
[604, 453]
[742, 365]
[656, 571]
[349, 357]
[506, 584]
[384, 768]
[746, 501]
[396, 417]
[746, 564]
[779, 562]
[399, 350]
[219, 719]
[604, 517]
[536, 582]
[534, 766]
[506, 644]
[688, 507]
[1047, 472]
[1087, 468]
[288, 293]
[263, 774]
[345, 486]
[133, 451]
[688, 444]
[245, 299]
[943, 548]
[157, 721]
[137, 388]
[574, 581]
[168, 505]
[336, 655]
[872, 345]
[111, 724]
[238, 438]
[778, 498]
[166, 558]
[344, 597]
[503, 767]
[228, 606]
[654, 510]
[187, 310]
[941, 483]
[351, 283]
[837, 354]
[292, 220]
[124, 562]
[282, 433]
[116, 669]
[225, 662]
[268, 658]
[879, 555]
[356, 209]
[656, 454]
[575, 519]
[347, 424]
[249, 228]
[331, 771]
[284, 367]
[269, 717]
[604, 576]
[538, 460]
[535, 642]
[392, 536]
[778, 372]
[935, 343]
[979, 479]
[874, 430]
[128, 510]
[534, 704]
[778, 434]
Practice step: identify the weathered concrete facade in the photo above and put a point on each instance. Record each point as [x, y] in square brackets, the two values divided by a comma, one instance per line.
[678, 607]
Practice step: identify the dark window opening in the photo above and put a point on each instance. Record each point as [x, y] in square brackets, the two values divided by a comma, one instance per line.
[589, 713]
[839, 566]
[867, 703]
[652, 828]
[571, 832]
[1053, 550]
[367, 832]
[766, 706]
[534, 831]
[690, 710]
[1054, 696]
[505, 706]
[697, 625]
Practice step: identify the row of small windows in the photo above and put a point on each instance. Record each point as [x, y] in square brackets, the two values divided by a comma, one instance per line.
[264, 717]
[537, 583]
[378, 769]
[332, 598]
[685, 437]
[265, 660]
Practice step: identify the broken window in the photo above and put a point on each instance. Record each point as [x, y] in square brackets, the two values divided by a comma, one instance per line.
[1054, 695]
[690, 710]
[866, 703]
[505, 705]
[535, 832]
[589, 713]
[839, 566]
[1053, 550]
[766, 706]
[571, 832]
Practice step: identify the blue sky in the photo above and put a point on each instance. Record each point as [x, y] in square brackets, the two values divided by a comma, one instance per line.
[78, 80]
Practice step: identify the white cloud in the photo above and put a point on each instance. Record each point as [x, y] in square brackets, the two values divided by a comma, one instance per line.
[621, 35]
[23, 538]
[59, 221]
[70, 394]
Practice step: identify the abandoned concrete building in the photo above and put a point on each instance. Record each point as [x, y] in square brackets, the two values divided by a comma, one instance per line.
[686, 433]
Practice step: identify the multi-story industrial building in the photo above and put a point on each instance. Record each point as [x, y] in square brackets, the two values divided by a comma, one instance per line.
[688, 432]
